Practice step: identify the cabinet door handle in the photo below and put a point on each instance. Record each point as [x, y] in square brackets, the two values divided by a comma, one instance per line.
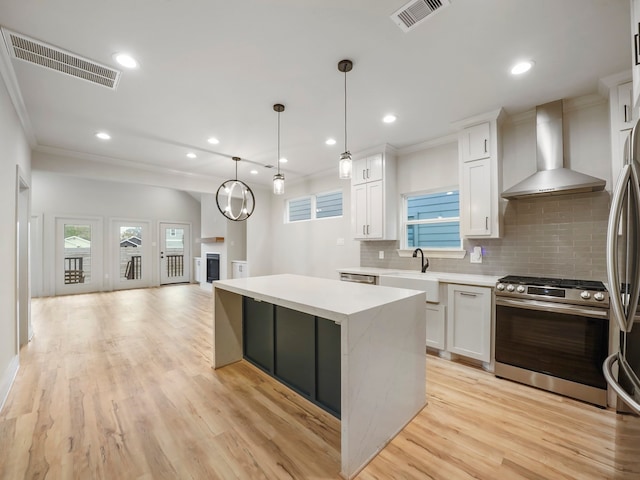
[363, 177]
[367, 229]
[368, 176]
[486, 223]
[636, 43]
[485, 145]
[363, 230]
[466, 294]
[625, 114]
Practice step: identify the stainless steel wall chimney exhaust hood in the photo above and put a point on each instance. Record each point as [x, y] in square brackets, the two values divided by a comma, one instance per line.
[552, 178]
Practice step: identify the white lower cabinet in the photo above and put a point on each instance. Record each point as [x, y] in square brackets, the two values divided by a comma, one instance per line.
[436, 326]
[469, 321]
[240, 269]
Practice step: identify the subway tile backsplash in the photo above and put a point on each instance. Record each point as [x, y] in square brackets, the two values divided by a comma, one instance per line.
[557, 236]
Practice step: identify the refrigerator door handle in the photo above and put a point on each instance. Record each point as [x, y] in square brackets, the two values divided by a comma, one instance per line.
[607, 369]
[624, 311]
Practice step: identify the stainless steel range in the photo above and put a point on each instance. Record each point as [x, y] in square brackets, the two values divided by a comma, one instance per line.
[553, 334]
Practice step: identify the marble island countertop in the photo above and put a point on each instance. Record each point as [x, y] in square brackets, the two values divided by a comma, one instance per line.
[316, 296]
[444, 277]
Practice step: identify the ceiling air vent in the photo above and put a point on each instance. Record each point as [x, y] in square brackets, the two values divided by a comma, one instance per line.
[417, 11]
[54, 58]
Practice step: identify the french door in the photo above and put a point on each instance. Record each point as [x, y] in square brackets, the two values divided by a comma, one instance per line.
[131, 254]
[78, 255]
[175, 254]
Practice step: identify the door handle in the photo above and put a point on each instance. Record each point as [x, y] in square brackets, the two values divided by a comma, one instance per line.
[636, 43]
[466, 294]
[625, 114]
[485, 145]
[486, 223]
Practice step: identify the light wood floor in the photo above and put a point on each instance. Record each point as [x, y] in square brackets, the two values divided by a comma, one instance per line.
[119, 386]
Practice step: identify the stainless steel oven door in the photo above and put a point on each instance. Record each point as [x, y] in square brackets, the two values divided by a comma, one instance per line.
[553, 346]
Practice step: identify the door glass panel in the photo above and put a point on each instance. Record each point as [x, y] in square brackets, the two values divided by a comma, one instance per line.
[77, 253]
[131, 252]
[174, 252]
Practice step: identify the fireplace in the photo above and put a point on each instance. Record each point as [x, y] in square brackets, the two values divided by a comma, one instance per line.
[213, 267]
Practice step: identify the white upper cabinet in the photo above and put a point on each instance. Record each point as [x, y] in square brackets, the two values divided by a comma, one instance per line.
[622, 116]
[367, 169]
[475, 142]
[374, 213]
[480, 175]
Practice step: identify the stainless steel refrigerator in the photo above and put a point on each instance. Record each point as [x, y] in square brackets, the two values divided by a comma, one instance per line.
[622, 368]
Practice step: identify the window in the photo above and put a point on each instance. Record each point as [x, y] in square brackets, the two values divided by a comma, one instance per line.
[322, 205]
[300, 209]
[329, 205]
[432, 220]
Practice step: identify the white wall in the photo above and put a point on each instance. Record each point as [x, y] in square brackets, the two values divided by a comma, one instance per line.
[430, 169]
[14, 150]
[62, 195]
[310, 248]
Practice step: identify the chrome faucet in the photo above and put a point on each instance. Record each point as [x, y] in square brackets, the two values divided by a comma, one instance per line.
[425, 261]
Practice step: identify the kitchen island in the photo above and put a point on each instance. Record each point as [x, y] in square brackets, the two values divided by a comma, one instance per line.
[382, 353]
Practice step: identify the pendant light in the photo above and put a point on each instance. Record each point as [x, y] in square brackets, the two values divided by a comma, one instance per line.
[344, 167]
[235, 199]
[278, 178]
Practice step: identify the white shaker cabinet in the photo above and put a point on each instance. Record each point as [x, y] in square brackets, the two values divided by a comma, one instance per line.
[469, 321]
[373, 197]
[436, 329]
[367, 169]
[239, 269]
[475, 142]
[476, 183]
[480, 173]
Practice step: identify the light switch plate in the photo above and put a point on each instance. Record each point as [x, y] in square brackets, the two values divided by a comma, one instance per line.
[381, 254]
[340, 241]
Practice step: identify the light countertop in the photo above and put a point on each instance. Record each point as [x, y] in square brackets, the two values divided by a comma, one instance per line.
[444, 277]
[322, 297]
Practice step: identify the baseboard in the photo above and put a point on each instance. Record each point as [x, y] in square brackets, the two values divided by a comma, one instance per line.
[6, 381]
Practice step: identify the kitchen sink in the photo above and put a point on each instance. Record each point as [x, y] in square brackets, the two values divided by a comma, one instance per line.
[427, 282]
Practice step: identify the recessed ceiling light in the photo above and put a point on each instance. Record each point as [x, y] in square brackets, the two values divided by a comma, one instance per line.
[330, 141]
[253, 172]
[213, 140]
[125, 60]
[521, 67]
[103, 136]
[283, 160]
[389, 118]
[191, 155]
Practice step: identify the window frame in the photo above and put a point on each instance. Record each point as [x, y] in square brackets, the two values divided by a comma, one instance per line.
[437, 252]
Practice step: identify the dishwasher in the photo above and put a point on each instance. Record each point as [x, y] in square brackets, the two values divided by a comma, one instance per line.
[359, 278]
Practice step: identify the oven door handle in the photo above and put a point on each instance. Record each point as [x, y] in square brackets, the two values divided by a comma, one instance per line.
[607, 369]
[554, 307]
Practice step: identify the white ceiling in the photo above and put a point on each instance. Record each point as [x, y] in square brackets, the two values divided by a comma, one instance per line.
[215, 68]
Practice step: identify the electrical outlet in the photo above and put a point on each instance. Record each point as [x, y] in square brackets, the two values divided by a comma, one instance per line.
[340, 241]
[381, 254]
[476, 255]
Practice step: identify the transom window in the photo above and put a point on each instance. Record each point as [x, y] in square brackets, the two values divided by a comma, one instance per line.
[432, 220]
[311, 207]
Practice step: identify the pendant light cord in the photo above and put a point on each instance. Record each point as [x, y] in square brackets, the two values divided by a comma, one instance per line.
[278, 143]
[345, 110]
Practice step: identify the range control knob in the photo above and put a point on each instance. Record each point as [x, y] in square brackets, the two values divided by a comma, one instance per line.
[520, 289]
[510, 288]
[599, 296]
[500, 286]
[586, 295]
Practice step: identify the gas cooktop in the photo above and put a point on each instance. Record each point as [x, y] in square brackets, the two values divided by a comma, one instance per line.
[567, 283]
